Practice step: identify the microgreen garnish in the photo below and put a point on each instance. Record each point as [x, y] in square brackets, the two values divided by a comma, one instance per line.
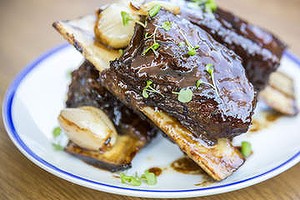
[121, 51]
[207, 5]
[181, 44]
[191, 49]
[57, 139]
[148, 177]
[210, 70]
[130, 180]
[154, 10]
[57, 147]
[185, 95]
[56, 132]
[154, 46]
[149, 89]
[126, 18]
[167, 25]
[246, 149]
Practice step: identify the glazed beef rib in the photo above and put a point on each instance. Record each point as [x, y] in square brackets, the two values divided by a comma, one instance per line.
[221, 106]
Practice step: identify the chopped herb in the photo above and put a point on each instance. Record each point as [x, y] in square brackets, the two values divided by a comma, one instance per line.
[246, 149]
[167, 25]
[147, 36]
[198, 83]
[149, 177]
[149, 88]
[153, 47]
[131, 180]
[210, 70]
[57, 147]
[56, 132]
[181, 44]
[154, 10]
[191, 49]
[121, 51]
[206, 5]
[125, 18]
[185, 95]
[210, 6]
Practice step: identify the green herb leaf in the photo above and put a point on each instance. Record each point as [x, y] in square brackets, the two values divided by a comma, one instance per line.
[181, 44]
[192, 50]
[206, 5]
[125, 18]
[57, 147]
[246, 149]
[185, 95]
[167, 25]
[145, 93]
[153, 47]
[210, 69]
[149, 88]
[130, 180]
[149, 177]
[210, 6]
[56, 132]
[198, 83]
[121, 51]
[154, 10]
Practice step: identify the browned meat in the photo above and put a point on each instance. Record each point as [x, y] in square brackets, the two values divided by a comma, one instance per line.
[224, 111]
[134, 133]
[259, 49]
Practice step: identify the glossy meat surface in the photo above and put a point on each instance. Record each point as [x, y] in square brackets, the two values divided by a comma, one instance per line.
[212, 113]
[259, 49]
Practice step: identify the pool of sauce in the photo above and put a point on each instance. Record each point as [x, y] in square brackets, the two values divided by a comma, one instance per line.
[265, 120]
[155, 170]
[186, 165]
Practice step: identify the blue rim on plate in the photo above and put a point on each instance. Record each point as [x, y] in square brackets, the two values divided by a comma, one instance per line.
[10, 127]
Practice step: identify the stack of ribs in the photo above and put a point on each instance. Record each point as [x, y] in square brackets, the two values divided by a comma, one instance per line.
[242, 55]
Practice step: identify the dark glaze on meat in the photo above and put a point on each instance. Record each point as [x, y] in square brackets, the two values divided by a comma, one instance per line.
[208, 116]
[260, 50]
[85, 90]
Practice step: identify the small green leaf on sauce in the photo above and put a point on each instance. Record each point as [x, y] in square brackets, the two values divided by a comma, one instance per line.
[153, 47]
[167, 25]
[185, 95]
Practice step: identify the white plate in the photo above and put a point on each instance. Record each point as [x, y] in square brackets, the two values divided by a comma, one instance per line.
[36, 96]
